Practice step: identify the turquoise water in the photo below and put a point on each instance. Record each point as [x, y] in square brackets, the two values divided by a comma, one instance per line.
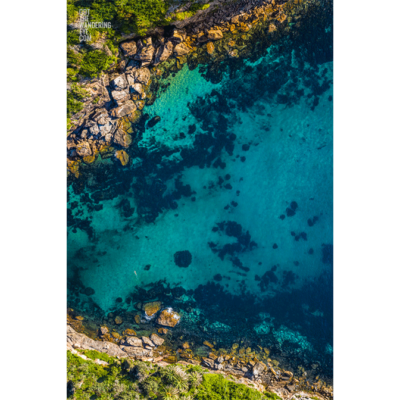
[239, 174]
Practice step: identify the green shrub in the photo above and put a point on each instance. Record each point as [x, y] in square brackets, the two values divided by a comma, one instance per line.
[93, 354]
[95, 62]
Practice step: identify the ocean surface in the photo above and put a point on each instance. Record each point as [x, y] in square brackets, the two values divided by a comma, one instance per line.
[226, 213]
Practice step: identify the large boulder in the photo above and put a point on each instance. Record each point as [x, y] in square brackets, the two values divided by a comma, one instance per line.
[120, 96]
[133, 341]
[146, 55]
[122, 138]
[138, 88]
[163, 53]
[123, 110]
[119, 83]
[83, 149]
[150, 309]
[142, 75]
[168, 317]
[156, 339]
[181, 49]
[129, 48]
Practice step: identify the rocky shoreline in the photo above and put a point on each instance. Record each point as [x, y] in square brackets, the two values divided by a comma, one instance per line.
[253, 373]
[114, 101]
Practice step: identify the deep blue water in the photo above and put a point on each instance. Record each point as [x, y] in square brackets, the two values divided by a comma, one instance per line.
[226, 214]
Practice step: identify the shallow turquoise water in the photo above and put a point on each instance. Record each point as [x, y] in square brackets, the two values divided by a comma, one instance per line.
[239, 174]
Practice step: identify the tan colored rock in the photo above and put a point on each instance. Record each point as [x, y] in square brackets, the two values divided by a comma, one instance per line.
[163, 53]
[122, 156]
[115, 335]
[118, 320]
[208, 344]
[133, 341]
[79, 318]
[83, 149]
[210, 47]
[186, 345]
[181, 49]
[142, 75]
[137, 318]
[122, 138]
[215, 34]
[147, 341]
[162, 331]
[168, 317]
[156, 339]
[125, 109]
[129, 48]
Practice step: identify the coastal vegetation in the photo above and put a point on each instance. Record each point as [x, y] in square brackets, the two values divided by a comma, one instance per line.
[134, 380]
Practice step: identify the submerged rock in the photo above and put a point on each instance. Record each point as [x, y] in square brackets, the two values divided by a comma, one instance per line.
[183, 258]
[150, 309]
[153, 121]
[168, 317]
[122, 156]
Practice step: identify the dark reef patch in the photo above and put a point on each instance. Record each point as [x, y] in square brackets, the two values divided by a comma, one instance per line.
[183, 258]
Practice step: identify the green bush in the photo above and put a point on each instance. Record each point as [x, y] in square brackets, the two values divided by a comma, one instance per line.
[95, 62]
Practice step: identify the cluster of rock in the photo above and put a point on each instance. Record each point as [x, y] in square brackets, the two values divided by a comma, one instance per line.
[139, 348]
[253, 373]
[104, 126]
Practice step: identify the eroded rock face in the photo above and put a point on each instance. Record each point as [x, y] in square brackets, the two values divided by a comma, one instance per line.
[125, 109]
[129, 48]
[163, 53]
[168, 317]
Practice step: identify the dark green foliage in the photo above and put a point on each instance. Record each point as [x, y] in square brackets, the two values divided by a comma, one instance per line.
[74, 97]
[94, 62]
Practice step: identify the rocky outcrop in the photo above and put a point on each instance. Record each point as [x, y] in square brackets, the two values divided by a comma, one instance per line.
[124, 91]
[129, 49]
[163, 53]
